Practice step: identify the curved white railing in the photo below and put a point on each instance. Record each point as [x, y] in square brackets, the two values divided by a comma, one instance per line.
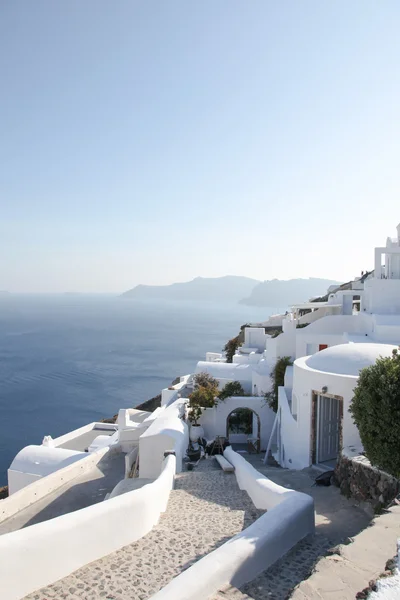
[289, 519]
[41, 554]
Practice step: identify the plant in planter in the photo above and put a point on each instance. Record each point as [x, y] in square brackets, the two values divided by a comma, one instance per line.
[201, 397]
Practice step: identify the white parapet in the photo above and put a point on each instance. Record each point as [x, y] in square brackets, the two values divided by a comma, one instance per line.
[41, 554]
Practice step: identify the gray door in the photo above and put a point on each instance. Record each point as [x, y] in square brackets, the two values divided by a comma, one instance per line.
[328, 428]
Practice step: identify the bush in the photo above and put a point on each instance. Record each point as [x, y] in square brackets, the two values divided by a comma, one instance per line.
[278, 380]
[203, 396]
[230, 348]
[375, 409]
[205, 380]
[232, 388]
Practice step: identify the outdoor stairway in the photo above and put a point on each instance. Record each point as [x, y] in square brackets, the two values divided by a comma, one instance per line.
[205, 509]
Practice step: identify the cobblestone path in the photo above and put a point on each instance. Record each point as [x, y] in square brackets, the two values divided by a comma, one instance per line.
[205, 509]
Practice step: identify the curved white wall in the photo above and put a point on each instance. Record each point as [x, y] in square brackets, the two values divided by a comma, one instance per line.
[34, 462]
[41, 554]
[289, 519]
[296, 434]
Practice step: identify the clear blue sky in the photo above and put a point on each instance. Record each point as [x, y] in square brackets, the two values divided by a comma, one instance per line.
[155, 141]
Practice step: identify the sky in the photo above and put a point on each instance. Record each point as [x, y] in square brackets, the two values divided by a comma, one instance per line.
[156, 141]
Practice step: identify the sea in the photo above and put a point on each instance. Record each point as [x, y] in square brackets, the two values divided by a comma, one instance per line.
[67, 360]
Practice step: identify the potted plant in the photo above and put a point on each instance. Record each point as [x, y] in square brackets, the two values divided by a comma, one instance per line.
[196, 430]
[203, 396]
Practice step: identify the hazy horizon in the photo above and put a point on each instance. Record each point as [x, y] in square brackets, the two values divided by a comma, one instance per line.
[156, 142]
[116, 293]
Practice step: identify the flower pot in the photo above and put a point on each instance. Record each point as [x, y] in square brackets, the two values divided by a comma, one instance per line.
[196, 432]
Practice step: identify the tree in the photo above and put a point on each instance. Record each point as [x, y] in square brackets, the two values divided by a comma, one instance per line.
[375, 409]
[278, 380]
[230, 348]
[201, 397]
[205, 380]
[232, 388]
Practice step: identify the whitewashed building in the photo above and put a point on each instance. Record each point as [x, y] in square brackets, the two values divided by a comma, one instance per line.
[329, 339]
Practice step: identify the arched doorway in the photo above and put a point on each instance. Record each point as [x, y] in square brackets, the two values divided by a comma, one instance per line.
[242, 425]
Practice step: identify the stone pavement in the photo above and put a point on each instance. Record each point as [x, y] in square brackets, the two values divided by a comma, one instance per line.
[357, 552]
[205, 509]
[343, 574]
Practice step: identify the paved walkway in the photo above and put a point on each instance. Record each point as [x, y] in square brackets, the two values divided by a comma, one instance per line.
[205, 509]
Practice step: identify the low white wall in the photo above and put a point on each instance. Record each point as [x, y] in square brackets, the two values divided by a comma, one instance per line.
[41, 554]
[71, 435]
[168, 432]
[289, 519]
[45, 485]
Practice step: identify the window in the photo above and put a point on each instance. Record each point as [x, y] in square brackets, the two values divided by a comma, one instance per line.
[322, 347]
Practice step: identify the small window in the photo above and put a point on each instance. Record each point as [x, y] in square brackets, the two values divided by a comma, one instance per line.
[322, 347]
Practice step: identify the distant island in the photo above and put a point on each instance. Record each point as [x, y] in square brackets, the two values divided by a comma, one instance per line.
[236, 289]
[230, 288]
[277, 292]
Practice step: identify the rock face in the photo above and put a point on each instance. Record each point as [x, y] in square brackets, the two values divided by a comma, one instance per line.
[3, 492]
[357, 478]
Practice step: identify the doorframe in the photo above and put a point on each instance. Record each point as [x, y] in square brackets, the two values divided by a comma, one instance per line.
[315, 423]
[258, 423]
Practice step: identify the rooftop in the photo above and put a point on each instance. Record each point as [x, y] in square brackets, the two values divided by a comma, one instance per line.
[348, 359]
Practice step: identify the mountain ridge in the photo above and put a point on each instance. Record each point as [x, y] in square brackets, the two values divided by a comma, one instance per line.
[235, 288]
[227, 288]
[284, 292]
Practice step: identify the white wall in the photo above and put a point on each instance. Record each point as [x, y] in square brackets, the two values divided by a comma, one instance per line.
[214, 420]
[71, 435]
[168, 432]
[289, 519]
[381, 296]
[296, 434]
[254, 337]
[41, 554]
[330, 330]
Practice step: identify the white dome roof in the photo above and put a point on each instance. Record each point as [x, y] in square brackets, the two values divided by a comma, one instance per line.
[348, 359]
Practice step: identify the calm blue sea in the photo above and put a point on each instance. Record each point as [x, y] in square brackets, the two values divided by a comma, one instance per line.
[68, 360]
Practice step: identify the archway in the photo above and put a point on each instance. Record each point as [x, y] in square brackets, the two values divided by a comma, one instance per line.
[242, 425]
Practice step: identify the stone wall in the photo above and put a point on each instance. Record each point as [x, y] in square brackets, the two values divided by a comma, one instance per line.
[357, 478]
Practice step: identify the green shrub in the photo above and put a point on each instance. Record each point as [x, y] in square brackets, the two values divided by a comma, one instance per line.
[232, 388]
[301, 325]
[375, 409]
[204, 395]
[278, 379]
[230, 348]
